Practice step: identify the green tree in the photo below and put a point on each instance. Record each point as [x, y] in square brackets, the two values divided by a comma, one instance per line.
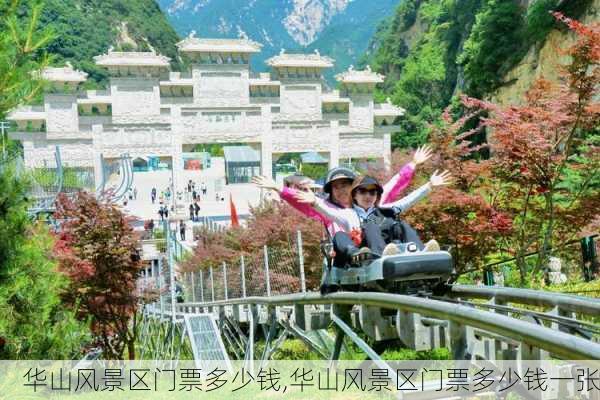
[97, 250]
[496, 43]
[21, 42]
[34, 324]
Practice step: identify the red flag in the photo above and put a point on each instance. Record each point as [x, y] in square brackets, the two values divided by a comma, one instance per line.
[234, 217]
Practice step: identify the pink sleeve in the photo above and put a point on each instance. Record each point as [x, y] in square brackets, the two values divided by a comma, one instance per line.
[287, 195]
[397, 184]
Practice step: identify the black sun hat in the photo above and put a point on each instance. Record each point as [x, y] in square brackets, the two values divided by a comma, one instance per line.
[335, 174]
[366, 181]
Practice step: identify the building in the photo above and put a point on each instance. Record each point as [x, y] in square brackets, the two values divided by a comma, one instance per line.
[155, 114]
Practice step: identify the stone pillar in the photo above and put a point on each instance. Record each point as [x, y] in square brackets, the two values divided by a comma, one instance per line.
[97, 131]
[266, 145]
[61, 113]
[176, 151]
[387, 150]
[361, 109]
[334, 145]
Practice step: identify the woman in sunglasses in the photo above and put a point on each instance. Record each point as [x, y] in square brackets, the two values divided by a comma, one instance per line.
[338, 186]
[370, 224]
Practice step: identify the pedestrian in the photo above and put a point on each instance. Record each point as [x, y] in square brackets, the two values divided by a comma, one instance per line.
[203, 187]
[151, 225]
[153, 195]
[192, 212]
[196, 210]
[135, 193]
[166, 212]
[182, 230]
[194, 194]
[161, 212]
[179, 294]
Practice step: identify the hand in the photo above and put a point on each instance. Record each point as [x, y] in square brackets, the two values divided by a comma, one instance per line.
[422, 154]
[305, 197]
[265, 183]
[445, 178]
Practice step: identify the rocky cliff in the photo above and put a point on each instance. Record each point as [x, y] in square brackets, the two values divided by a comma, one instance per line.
[541, 61]
[432, 50]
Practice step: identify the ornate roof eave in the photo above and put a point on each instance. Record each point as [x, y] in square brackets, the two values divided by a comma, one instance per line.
[387, 109]
[314, 60]
[26, 113]
[359, 76]
[62, 74]
[192, 44]
[132, 59]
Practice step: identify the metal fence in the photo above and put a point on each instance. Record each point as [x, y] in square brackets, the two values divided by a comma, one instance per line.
[269, 272]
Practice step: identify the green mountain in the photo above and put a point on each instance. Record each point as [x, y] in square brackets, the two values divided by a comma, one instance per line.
[86, 28]
[431, 50]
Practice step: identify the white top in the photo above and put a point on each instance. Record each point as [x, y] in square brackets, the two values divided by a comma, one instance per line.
[355, 76]
[132, 59]
[198, 45]
[300, 60]
[64, 74]
[387, 109]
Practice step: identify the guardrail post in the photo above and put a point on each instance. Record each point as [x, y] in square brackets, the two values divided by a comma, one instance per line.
[160, 295]
[301, 261]
[243, 272]
[171, 239]
[225, 280]
[201, 286]
[193, 288]
[266, 252]
[212, 284]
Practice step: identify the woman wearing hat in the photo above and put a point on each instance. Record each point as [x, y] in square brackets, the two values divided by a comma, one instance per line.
[367, 223]
[338, 185]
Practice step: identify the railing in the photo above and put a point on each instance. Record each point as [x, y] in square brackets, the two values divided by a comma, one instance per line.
[272, 271]
[271, 282]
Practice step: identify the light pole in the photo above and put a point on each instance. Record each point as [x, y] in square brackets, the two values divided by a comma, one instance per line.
[3, 126]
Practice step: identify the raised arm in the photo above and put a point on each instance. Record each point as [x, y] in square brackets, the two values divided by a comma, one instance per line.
[399, 182]
[436, 180]
[344, 217]
[287, 195]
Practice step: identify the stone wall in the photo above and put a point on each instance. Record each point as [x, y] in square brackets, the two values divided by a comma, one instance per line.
[300, 102]
[221, 86]
[122, 140]
[135, 97]
[61, 113]
[206, 126]
[361, 145]
[294, 138]
[73, 153]
[361, 112]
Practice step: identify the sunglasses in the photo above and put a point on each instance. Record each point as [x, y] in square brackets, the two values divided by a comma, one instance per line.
[372, 192]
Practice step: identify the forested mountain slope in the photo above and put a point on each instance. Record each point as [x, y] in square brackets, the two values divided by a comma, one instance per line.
[431, 50]
[86, 28]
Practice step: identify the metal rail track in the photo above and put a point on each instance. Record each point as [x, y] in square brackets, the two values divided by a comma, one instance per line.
[560, 344]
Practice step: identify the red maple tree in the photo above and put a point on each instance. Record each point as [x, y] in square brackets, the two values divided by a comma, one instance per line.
[97, 249]
[545, 156]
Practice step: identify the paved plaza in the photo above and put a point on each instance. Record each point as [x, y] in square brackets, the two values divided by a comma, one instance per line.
[244, 194]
